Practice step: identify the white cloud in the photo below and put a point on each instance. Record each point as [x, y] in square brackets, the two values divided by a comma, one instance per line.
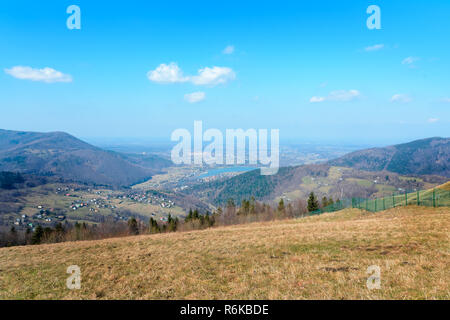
[171, 73]
[401, 98]
[213, 76]
[228, 50]
[338, 96]
[46, 74]
[164, 73]
[375, 47]
[343, 95]
[433, 120]
[194, 97]
[410, 60]
[317, 99]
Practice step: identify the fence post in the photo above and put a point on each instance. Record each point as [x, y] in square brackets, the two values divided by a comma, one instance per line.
[384, 204]
[375, 205]
[434, 198]
[406, 198]
[367, 205]
[393, 200]
[418, 200]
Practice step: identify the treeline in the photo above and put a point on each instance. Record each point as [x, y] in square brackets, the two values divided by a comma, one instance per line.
[248, 211]
[83, 231]
[8, 180]
[255, 211]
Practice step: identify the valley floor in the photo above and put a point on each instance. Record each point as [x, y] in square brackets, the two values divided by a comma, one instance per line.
[321, 257]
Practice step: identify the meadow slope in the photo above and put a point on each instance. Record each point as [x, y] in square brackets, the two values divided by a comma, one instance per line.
[320, 257]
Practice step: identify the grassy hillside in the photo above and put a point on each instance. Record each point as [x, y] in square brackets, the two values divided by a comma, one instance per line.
[323, 257]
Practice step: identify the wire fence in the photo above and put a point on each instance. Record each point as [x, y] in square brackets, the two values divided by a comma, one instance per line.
[428, 198]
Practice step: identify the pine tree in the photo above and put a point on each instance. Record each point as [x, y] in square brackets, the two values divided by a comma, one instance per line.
[281, 206]
[37, 235]
[173, 223]
[189, 216]
[153, 226]
[313, 204]
[252, 205]
[245, 207]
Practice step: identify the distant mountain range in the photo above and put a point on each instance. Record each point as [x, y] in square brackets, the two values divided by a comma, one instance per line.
[416, 165]
[62, 155]
[370, 171]
[427, 156]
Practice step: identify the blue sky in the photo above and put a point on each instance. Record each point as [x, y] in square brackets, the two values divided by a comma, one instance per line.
[309, 68]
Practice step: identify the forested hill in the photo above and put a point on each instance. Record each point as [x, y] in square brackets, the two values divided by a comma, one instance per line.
[427, 156]
[63, 155]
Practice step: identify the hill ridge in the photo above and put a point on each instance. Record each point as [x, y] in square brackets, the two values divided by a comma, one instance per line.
[419, 157]
[66, 156]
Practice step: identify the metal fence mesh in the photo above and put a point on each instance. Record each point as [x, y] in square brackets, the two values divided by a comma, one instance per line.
[428, 198]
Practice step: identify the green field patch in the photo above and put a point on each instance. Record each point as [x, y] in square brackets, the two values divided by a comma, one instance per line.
[414, 179]
[361, 182]
[385, 188]
[307, 180]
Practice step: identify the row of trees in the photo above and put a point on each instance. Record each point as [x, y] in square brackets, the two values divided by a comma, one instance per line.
[249, 211]
[15, 237]
[314, 205]
[253, 211]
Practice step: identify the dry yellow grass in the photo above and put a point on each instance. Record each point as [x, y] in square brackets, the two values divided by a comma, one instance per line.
[445, 186]
[321, 257]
